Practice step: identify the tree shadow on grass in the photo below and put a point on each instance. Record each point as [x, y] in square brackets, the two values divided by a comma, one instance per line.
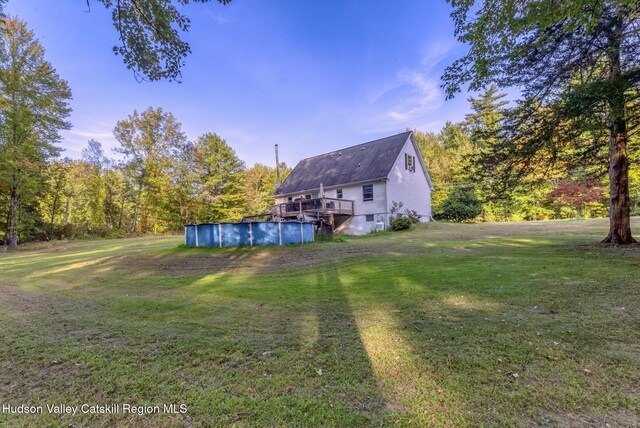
[257, 348]
[417, 337]
[485, 340]
[338, 352]
[302, 336]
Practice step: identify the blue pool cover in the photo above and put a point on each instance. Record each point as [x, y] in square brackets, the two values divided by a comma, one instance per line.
[247, 234]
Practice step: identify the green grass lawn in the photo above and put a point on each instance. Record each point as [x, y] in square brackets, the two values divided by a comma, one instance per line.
[517, 324]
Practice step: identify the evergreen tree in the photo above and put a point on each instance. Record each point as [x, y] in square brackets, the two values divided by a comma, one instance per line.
[447, 156]
[461, 204]
[485, 126]
[484, 123]
[219, 175]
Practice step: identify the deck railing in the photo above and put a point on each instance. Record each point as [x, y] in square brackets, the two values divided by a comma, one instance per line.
[316, 206]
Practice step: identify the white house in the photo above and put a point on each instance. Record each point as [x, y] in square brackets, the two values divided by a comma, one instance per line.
[354, 188]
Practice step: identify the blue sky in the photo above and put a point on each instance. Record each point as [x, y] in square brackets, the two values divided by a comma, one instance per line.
[311, 76]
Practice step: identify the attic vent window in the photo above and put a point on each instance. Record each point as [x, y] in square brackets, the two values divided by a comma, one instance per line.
[339, 193]
[367, 193]
[409, 162]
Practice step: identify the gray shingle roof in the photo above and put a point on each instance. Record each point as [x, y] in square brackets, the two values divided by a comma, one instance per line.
[368, 161]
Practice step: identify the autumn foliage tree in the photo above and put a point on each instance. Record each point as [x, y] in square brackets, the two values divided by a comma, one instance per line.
[580, 196]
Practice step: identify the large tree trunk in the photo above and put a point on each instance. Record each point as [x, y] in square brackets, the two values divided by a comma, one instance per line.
[619, 208]
[12, 223]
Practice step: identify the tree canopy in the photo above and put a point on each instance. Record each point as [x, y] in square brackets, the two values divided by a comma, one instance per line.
[148, 140]
[218, 178]
[33, 110]
[572, 61]
[151, 43]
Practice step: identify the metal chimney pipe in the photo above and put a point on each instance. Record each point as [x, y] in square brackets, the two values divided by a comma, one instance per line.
[277, 168]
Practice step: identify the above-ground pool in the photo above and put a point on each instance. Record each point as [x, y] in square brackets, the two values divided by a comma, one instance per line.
[248, 234]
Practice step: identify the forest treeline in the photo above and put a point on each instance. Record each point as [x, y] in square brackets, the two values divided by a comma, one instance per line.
[157, 180]
[482, 172]
[160, 183]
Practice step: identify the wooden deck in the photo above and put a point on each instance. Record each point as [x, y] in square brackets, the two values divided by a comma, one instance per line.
[318, 206]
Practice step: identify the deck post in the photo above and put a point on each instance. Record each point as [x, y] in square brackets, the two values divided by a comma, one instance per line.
[301, 232]
[197, 242]
[219, 235]
[279, 233]
[250, 234]
[185, 236]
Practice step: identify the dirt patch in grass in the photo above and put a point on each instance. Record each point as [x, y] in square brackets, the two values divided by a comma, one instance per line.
[261, 260]
[30, 307]
[595, 419]
[59, 246]
[16, 301]
[612, 248]
[37, 327]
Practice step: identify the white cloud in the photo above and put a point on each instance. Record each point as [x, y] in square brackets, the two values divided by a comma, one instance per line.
[74, 140]
[435, 53]
[92, 135]
[217, 17]
[413, 96]
[417, 95]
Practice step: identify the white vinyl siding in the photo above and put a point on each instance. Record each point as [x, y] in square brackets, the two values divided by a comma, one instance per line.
[411, 188]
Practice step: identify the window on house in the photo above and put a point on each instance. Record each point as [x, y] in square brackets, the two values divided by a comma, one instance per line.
[307, 196]
[339, 193]
[367, 192]
[290, 199]
[369, 217]
[409, 162]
